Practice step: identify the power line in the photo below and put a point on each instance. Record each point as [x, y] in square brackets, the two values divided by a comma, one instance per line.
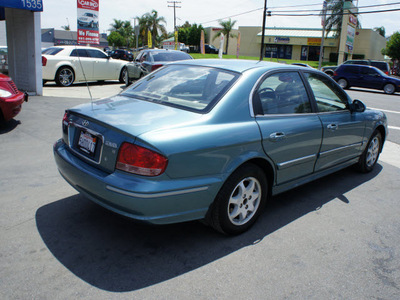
[306, 15]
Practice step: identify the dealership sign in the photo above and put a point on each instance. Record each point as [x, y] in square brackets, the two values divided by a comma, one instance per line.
[88, 22]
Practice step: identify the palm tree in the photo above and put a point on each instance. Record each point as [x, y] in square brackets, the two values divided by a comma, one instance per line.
[227, 27]
[66, 27]
[151, 21]
[335, 15]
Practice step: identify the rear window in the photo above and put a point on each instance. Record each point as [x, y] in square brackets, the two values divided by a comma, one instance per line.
[193, 88]
[52, 50]
[169, 56]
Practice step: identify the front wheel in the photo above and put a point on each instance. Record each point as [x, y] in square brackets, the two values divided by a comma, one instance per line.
[240, 200]
[389, 88]
[122, 75]
[371, 153]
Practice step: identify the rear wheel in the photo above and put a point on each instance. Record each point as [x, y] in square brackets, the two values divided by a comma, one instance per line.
[389, 88]
[65, 76]
[371, 153]
[343, 83]
[240, 200]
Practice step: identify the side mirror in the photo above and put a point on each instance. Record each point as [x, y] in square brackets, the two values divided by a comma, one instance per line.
[358, 106]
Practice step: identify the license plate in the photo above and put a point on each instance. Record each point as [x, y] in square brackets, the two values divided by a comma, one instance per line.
[87, 142]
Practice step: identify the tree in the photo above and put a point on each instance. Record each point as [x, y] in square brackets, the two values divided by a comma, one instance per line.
[334, 17]
[227, 27]
[66, 27]
[393, 47]
[124, 29]
[190, 34]
[381, 30]
[116, 39]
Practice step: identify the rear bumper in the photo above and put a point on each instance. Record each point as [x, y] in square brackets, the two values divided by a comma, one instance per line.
[156, 201]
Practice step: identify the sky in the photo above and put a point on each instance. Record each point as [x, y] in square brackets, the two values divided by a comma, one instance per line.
[207, 12]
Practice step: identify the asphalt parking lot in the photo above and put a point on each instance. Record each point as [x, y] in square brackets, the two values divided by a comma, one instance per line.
[336, 238]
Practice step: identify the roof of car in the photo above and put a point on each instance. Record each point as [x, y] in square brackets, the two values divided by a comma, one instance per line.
[236, 65]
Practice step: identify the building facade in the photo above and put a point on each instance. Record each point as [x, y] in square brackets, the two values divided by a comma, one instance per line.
[299, 43]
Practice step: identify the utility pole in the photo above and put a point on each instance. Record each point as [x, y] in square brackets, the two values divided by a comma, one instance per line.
[321, 51]
[263, 31]
[175, 29]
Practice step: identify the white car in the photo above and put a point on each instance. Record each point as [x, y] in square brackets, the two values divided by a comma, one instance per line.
[67, 64]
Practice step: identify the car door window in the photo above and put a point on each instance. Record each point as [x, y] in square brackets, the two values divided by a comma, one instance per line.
[327, 95]
[283, 93]
[96, 53]
[79, 52]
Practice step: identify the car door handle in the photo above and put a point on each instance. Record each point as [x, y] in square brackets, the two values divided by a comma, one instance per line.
[332, 127]
[277, 136]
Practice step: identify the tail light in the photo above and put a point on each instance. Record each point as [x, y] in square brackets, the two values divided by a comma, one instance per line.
[334, 73]
[65, 123]
[44, 61]
[387, 72]
[142, 161]
[155, 67]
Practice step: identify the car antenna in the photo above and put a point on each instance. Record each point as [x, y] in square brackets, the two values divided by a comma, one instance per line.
[80, 63]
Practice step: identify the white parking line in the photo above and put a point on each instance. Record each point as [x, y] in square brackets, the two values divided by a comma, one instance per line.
[394, 127]
[384, 110]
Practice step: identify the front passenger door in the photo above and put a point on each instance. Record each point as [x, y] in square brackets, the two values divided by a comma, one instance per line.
[342, 129]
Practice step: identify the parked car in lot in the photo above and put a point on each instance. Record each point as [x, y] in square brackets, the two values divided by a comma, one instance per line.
[151, 59]
[381, 65]
[11, 99]
[67, 64]
[214, 140]
[122, 54]
[210, 49]
[366, 77]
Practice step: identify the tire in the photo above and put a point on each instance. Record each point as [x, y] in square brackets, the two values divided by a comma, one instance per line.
[65, 76]
[389, 88]
[126, 78]
[122, 75]
[371, 153]
[240, 201]
[343, 83]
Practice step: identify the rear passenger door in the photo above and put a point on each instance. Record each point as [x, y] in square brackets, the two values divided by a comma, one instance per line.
[291, 132]
[342, 130]
[83, 64]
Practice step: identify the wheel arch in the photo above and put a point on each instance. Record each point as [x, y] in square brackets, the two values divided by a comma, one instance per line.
[382, 131]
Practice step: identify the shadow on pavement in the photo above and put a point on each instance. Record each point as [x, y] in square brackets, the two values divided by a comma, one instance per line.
[116, 254]
[9, 126]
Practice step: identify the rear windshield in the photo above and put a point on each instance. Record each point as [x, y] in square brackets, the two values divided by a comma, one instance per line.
[52, 50]
[169, 56]
[193, 88]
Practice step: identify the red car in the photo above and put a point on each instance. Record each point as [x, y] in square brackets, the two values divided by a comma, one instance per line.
[10, 99]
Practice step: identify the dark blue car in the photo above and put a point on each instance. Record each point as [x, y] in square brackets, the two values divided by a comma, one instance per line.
[365, 77]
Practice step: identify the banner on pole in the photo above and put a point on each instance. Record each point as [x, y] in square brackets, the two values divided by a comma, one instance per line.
[221, 46]
[88, 22]
[149, 40]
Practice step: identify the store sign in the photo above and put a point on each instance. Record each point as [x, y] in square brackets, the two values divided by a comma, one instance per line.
[353, 20]
[32, 5]
[88, 22]
[285, 40]
[351, 32]
[314, 41]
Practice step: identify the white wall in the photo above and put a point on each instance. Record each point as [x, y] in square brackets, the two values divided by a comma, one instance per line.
[24, 49]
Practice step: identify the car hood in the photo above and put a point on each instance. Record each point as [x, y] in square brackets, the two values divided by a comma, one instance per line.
[135, 116]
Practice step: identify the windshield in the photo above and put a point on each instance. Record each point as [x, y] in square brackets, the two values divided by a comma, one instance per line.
[193, 88]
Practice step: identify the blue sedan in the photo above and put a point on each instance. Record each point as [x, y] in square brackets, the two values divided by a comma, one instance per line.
[214, 140]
